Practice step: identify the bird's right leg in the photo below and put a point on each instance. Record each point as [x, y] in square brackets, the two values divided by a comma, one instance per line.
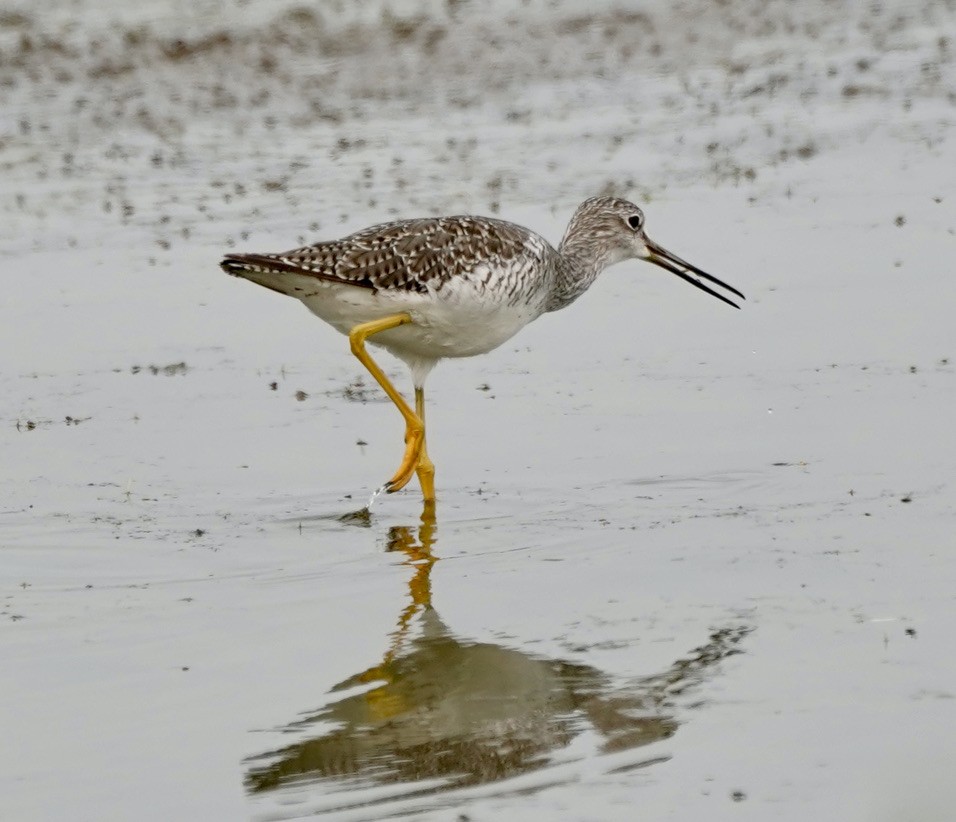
[414, 425]
[425, 467]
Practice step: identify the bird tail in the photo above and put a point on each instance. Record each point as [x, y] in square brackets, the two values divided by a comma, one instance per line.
[266, 270]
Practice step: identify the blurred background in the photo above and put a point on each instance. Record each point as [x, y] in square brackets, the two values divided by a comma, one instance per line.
[189, 122]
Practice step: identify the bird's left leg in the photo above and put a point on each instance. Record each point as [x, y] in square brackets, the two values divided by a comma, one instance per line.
[414, 425]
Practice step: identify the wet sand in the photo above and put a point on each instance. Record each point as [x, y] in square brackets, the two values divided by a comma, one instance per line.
[688, 562]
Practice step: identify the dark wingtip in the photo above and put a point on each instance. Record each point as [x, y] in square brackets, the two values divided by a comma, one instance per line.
[233, 264]
[242, 264]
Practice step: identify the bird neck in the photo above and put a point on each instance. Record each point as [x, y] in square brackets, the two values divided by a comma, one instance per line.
[579, 263]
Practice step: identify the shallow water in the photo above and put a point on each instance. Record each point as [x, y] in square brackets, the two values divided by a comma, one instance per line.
[687, 561]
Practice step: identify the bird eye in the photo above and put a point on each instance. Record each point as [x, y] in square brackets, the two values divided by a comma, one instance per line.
[634, 221]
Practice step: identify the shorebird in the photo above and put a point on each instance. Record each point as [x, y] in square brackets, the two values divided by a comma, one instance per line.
[425, 289]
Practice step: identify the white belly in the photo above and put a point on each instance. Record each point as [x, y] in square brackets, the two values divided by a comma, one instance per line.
[451, 322]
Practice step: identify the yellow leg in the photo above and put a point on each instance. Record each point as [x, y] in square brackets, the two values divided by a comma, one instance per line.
[425, 468]
[414, 425]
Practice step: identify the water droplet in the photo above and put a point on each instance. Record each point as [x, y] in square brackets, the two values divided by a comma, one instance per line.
[375, 495]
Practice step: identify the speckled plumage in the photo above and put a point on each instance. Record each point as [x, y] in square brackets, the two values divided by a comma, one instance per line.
[430, 288]
[409, 255]
[469, 283]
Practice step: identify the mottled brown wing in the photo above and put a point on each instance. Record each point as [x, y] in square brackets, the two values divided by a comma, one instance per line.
[411, 255]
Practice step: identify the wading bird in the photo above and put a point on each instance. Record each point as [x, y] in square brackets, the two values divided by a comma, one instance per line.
[436, 287]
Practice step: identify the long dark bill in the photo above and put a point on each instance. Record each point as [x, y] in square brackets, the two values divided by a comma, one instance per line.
[683, 269]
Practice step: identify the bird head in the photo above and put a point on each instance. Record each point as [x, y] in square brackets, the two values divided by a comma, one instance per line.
[616, 226]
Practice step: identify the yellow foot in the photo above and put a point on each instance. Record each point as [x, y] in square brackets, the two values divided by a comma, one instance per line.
[415, 461]
[426, 476]
[414, 443]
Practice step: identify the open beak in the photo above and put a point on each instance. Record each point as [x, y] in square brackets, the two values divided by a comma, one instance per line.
[683, 269]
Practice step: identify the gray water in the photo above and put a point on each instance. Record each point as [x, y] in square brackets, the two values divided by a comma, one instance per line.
[687, 562]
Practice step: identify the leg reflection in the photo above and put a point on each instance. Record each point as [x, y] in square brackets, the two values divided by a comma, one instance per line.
[464, 712]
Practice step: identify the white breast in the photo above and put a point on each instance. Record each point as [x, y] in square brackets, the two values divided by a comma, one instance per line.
[461, 318]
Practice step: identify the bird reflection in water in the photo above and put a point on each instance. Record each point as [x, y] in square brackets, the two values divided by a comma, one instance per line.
[458, 713]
